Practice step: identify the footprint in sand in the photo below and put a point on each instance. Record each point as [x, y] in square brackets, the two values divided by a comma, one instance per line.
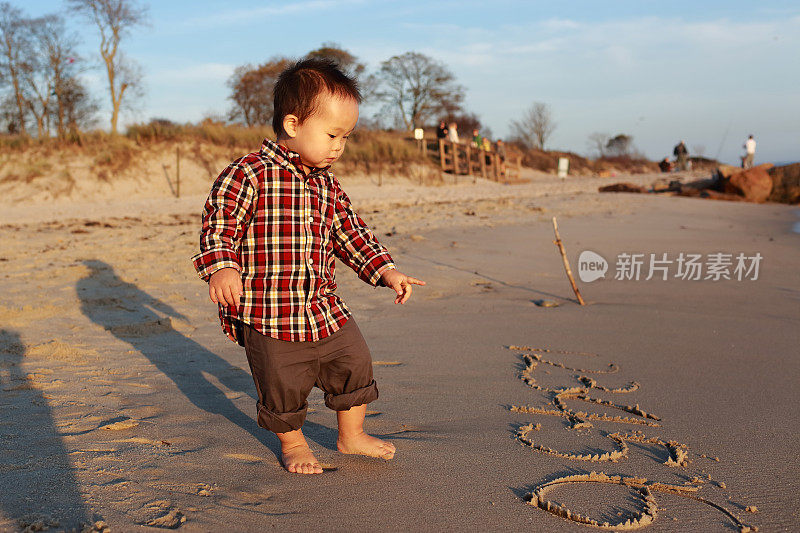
[581, 389]
[162, 514]
[60, 351]
[204, 489]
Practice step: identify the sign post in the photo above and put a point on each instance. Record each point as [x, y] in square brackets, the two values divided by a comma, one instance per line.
[563, 167]
[419, 135]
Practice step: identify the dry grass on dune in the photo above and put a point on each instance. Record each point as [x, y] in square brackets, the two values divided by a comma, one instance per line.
[143, 160]
[370, 151]
[547, 161]
[208, 132]
[24, 159]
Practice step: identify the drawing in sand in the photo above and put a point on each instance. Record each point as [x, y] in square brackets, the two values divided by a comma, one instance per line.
[580, 389]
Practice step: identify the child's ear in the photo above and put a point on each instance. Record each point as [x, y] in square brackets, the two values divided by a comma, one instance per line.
[290, 124]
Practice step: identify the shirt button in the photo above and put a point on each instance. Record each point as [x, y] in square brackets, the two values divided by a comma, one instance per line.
[310, 261]
[310, 220]
[308, 306]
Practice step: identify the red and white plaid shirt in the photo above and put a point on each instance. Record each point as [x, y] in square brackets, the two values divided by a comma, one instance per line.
[281, 230]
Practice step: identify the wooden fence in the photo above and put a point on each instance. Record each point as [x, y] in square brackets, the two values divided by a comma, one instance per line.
[467, 159]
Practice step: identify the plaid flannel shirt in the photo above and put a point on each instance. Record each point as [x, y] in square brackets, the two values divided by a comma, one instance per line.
[281, 229]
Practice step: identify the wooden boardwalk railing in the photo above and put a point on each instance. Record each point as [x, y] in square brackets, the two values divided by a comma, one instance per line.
[467, 159]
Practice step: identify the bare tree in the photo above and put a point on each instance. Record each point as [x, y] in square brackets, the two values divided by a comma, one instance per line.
[251, 91]
[80, 109]
[8, 114]
[598, 141]
[620, 145]
[37, 81]
[350, 65]
[14, 44]
[346, 61]
[418, 88]
[114, 18]
[535, 126]
[58, 47]
[48, 74]
[42, 69]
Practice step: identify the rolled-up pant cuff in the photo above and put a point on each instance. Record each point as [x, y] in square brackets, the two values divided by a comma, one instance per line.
[344, 401]
[281, 422]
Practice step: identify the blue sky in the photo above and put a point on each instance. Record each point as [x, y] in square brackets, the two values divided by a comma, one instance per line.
[707, 72]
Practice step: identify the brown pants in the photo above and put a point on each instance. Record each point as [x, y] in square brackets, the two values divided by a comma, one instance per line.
[284, 373]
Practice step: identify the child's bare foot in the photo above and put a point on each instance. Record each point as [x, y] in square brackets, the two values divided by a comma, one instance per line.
[296, 456]
[300, 460]
[363, 444]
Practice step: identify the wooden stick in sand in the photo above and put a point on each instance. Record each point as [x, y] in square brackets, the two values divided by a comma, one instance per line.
[558, 243]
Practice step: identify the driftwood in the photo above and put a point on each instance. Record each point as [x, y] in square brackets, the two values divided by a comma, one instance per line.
[762, 183]
[558, 243]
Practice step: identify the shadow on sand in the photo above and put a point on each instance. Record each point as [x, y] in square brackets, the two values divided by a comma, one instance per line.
[130, 315]
[38, 486]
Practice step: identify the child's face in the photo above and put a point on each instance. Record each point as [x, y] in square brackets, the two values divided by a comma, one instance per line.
[320, 139]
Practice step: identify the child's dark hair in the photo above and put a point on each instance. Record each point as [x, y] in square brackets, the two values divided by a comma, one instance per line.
[298, 87]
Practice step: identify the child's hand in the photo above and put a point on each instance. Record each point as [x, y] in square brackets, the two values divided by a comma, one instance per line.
[225, 287]
[394, 279]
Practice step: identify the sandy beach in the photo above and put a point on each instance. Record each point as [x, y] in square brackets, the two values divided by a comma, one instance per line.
[121, 400]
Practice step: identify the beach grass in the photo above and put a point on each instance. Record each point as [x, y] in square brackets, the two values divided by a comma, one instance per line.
[368, 150]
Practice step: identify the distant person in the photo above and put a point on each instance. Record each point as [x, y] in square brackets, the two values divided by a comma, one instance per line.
[441, 130]
[452, 132]
[477, 139]
[665, 165]
[501, 155]
[681, 155]
[273, 224]
[486, 146]
[501, 149]
[749, 152]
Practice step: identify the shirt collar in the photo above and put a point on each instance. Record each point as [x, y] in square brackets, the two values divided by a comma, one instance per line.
[288, 159]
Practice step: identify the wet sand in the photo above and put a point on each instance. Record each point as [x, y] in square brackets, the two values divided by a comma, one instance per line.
[123, 402]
